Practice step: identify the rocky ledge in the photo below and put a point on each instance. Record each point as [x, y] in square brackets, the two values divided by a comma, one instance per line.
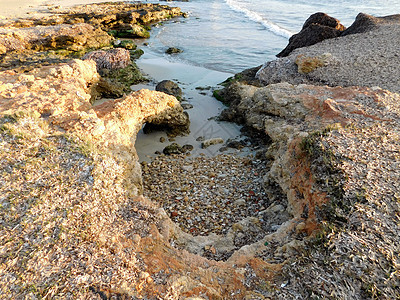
[332, 112]
[74, 222]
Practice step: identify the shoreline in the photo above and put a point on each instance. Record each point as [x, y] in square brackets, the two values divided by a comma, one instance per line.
[196, 84]
[317, 199]
[32, 8]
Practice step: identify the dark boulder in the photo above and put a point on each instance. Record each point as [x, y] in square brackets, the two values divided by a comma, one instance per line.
[324, 20]
[173, 50]
[364, 23]
[175, 148]
[318, 27]
[169, 87]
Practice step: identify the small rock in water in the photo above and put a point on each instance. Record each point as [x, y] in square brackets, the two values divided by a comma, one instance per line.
[209, 142]
[235, 144]
[162, 139]
[173, 50]
[186, 106]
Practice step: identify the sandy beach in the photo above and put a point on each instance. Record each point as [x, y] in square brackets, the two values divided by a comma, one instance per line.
[21, 8]
[15, 9]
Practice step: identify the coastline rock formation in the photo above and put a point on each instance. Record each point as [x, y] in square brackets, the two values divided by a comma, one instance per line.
[367, 59]
[320, 26]
[62, 95]
[73, 223]
[334, 151]
[69, 33]
[317, 28]
[74, 37]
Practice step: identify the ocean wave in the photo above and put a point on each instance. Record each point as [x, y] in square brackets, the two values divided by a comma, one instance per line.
[252, 15]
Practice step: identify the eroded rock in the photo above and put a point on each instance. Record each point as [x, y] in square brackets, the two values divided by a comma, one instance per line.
[111, 59]
[365, 22]
[62, 94]
[375, 67]
[317, 28]
[214, 141]
[75, 37]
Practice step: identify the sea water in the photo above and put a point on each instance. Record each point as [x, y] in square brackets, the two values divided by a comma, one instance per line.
[220, 38]
[233, 35]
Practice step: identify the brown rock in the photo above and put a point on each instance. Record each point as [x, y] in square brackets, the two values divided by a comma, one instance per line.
[71, 37]
[324, 20]
[63, 95]
[277, 110]
[317, 28]
[169, 87]
[112, 59]
[365, 22]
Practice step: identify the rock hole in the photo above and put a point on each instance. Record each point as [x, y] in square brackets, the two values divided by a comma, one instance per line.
[221, 200]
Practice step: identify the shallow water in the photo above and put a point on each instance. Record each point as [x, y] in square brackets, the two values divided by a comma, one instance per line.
[233, 35]
[202, 115]
[222, 37]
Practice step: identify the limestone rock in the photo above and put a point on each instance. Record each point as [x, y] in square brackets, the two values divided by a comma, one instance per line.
[307, 64]
[317, 28]
[365, 23]
[374, 65]
[72, 37]
[62, 94]
[127, 44]
[3, 49]
[105, 16]
[288, 114]
[111, 59]
[40, 89]
[130, 31]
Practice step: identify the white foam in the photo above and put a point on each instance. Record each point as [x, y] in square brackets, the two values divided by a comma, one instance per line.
[252, 15]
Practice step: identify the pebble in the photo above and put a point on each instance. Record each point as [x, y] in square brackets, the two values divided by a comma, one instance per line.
[204, 194]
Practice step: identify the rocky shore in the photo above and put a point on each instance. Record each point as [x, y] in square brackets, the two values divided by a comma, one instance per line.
[311, 210]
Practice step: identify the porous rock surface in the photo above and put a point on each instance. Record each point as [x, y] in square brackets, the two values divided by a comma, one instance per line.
[75, 37]
[335, 155]
[75, 30]
[62, 94]
[368, 59]
[112, 59]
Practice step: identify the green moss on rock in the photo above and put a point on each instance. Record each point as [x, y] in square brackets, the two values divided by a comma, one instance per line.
[116, 83]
